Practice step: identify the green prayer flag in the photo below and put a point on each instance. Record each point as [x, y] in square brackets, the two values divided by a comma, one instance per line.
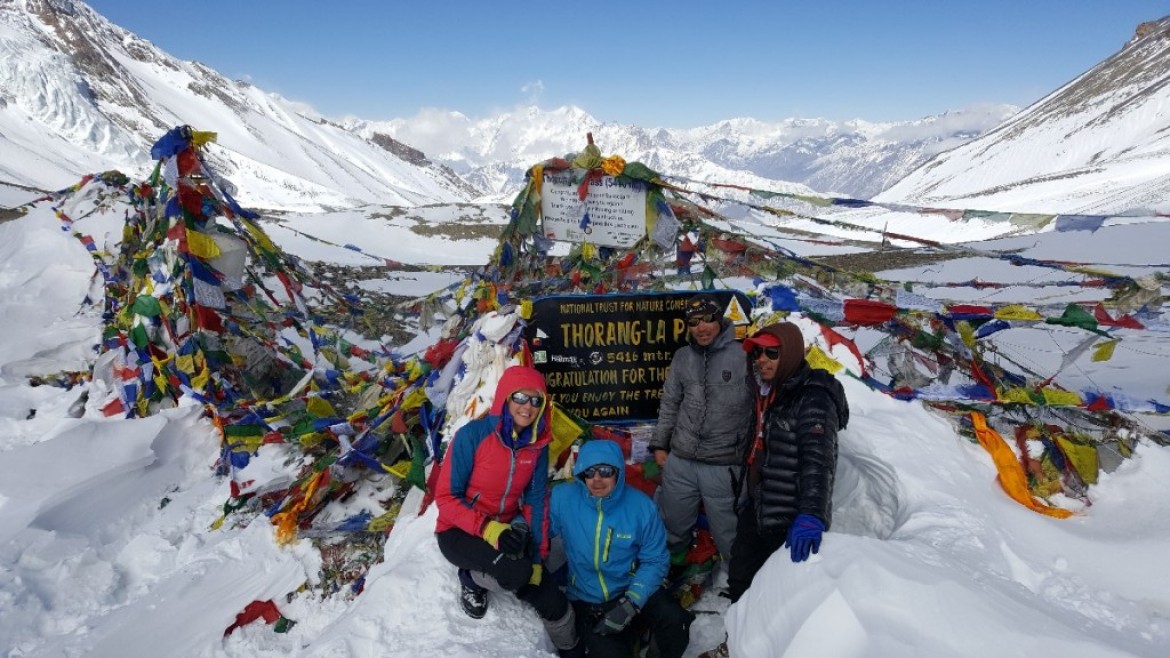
[138, 337]
[1075, 316]
[147, 305]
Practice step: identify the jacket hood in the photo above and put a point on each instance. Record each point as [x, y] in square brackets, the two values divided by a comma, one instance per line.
[791, 349]
[600, 451]
[514, 379]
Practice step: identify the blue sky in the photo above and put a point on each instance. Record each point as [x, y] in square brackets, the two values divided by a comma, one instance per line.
[678, 65]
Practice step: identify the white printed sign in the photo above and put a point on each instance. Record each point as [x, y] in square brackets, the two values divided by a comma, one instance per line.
[617, 210]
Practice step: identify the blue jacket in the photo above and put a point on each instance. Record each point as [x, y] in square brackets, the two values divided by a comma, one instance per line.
[615, 545]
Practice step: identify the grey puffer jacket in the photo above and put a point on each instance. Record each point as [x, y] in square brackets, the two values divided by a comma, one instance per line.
[706, 403]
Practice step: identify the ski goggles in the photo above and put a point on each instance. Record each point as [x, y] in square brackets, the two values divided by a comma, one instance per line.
[694, 320]
[604, 470]
[772, 353]
[523, 398]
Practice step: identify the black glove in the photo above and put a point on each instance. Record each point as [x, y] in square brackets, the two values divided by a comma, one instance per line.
[618, 617]
[514, 540]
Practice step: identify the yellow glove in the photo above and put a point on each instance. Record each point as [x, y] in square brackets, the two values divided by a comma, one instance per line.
[537, 573]
[492, 531]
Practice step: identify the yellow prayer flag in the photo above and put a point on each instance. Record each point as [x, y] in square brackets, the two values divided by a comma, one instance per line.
[185, 364]
[1015, 394]
[201, 245]
[817, 358]
[400, 469]
[966, 333]
[201, 137]
[1055, 398]
[319, 407]
[414, 399]
[1017, 312]
[199, 381]
[1083, 456]
[564, 430]
[385, 521]
[1104, 351]
[259, 235]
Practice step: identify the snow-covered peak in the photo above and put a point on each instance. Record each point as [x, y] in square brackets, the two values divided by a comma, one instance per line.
[1106, 130]
[79, 94]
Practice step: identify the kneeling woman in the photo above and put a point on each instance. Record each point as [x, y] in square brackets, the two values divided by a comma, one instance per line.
[492, 498]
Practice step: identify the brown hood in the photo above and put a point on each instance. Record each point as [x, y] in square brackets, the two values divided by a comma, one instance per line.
[791, 348]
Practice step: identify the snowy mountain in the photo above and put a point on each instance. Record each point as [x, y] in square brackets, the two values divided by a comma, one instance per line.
[1105, 130]
[79, 94]
[855, 158]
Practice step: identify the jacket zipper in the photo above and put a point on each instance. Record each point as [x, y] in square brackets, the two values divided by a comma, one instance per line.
[508, 481]
[597, 550]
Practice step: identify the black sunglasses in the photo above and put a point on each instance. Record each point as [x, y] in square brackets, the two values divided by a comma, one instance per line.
[604, 470]
[773, 353]
[694, 320]
[520, 397]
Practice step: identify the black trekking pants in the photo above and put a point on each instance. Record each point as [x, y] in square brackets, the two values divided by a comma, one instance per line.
[749, 552]
[470, 552]
[668, 622]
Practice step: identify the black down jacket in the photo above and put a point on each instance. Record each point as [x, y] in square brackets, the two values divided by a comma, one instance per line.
[793, 473]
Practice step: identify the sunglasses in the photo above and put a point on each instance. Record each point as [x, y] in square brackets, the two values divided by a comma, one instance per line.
[694, 320]
[604, 470]
[523, 398]
[773, 353]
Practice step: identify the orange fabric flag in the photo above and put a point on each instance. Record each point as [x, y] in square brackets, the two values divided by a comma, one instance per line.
[1011, 473]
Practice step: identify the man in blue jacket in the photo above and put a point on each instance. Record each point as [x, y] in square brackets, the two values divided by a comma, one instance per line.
[615, 545]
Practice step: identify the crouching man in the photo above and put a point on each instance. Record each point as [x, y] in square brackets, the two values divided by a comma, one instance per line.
[615, 545]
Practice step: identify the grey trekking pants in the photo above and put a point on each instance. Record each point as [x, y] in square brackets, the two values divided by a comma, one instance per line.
[686, 483]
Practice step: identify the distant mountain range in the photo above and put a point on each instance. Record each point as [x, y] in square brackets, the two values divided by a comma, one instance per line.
[854, 158]
[79, 94]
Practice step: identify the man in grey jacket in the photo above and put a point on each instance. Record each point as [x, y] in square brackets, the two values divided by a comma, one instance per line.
[702, 431]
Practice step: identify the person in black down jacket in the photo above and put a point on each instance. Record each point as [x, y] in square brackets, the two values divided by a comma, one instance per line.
[793, 457]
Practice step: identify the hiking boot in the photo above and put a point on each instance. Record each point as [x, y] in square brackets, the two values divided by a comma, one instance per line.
[472, 597]
[718, 652]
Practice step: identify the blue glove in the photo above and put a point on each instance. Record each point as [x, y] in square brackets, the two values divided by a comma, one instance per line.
[618, 617]
[804, 536]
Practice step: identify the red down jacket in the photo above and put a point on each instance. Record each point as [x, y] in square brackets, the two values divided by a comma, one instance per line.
[486, 476]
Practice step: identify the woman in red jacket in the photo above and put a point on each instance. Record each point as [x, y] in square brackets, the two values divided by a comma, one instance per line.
[493, 499]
